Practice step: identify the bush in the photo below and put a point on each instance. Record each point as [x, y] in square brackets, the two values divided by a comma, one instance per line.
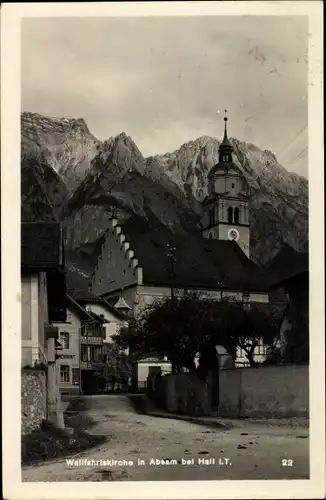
[48, 443]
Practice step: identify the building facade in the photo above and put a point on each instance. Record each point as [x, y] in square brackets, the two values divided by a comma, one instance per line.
[226, 210]
[81, 339]
[68, 356]
[43, 304]
[113, 318]
[143, 262]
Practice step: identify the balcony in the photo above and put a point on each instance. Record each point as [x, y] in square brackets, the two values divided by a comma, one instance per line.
[87, 365]
[89, 340]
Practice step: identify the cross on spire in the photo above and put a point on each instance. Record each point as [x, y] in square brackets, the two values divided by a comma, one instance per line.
[225, 148]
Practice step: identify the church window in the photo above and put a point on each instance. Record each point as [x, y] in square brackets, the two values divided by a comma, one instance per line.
[230, 215]
[233, 185]
[236, 215]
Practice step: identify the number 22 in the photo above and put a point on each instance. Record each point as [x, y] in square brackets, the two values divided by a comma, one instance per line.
[287, 462]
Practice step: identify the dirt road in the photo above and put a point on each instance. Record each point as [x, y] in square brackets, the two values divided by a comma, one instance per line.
[141, 447]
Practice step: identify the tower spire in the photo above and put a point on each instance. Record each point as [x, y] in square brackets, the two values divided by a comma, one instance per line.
[225, 148]
[225, 126]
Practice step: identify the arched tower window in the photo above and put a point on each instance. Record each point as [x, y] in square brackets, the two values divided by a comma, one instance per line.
[236, 215]
[230, 215]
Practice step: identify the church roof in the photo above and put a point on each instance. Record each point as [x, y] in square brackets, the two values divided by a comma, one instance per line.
[225, 167]
[225, 162]
[199, 262]
[287, 264]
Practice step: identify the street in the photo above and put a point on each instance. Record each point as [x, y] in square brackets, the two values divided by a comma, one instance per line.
[146, 448]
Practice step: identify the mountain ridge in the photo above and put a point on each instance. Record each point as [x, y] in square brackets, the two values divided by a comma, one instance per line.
[112, 176]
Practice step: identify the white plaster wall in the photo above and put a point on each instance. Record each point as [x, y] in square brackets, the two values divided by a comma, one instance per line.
[212, 233]
[72, 326]
[115, 323]
[26, 308]
[43, 307]
[143, 370]
[147, 294]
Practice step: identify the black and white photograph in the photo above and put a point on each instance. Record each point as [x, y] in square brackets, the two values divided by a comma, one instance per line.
[167, 253]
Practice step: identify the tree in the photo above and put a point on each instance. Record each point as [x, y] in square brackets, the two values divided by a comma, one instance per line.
[114, 368]
[173, 328]
[252, 325]
[188, 325]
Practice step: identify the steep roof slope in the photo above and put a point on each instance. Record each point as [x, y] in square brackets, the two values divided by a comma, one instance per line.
[199, 262]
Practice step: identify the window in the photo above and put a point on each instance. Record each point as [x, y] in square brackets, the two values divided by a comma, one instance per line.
[75, 376]
[230, 215]
[236, 215]
[83, 352]
[64, 373]
[96, 353]
[64, 340]
[233, 185]
[261, 349]
[98, 331]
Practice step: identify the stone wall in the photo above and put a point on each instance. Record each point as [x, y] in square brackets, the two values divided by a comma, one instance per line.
[182, 393]
[33, 399]
[265, 391]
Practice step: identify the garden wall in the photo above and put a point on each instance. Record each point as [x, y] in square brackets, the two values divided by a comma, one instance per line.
[33, 399]
[182, 393]
[265, 391]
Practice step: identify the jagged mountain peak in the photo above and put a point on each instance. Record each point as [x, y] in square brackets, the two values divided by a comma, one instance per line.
[114, 175]
[66, 143]
[56, 125]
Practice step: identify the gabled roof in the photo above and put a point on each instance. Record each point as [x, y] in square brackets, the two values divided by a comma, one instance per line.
[200, 262]
[77, 308]
[286, 265]
[78, 289]
[41, 245]
[96, 317]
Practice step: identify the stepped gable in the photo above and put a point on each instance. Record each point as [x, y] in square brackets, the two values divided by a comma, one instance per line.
[199, 262]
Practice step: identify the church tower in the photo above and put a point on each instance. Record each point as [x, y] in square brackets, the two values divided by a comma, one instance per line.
[226, 214]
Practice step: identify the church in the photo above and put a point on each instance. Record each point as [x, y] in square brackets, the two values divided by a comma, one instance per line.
[142, 262]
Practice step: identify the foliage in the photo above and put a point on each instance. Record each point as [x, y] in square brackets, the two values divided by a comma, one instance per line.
[48, 443]
[37, 366]
[296, 345]
[252, 325]
[114, 368]
[189, 325]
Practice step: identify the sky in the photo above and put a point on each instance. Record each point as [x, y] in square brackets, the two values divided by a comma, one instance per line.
[165, 81]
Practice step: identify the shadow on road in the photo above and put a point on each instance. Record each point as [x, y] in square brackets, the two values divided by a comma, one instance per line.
[138, 402]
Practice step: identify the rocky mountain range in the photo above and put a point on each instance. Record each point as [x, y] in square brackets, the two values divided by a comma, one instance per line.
[86, 181]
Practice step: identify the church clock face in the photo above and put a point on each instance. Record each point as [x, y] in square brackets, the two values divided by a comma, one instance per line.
[233, 234]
